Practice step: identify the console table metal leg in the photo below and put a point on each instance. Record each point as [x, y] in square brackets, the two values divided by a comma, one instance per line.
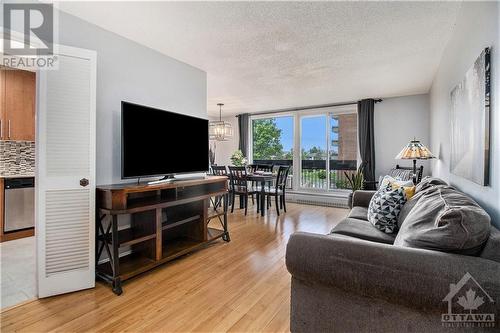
[117, 285]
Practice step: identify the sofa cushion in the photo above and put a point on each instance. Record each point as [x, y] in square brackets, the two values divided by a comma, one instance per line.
[363, 230]
[491, 249]
[360, 213]
[384, 208]
[429, 182]
[412, 202]
[362, 198]
[445, 219]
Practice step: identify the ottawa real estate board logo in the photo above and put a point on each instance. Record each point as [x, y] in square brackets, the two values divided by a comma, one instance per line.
[469, 305]
[28, 35]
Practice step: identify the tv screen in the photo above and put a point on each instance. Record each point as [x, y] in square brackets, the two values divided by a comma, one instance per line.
[157, 142]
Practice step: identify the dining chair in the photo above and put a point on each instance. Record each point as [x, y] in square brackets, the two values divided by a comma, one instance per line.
[278, 191]
[251, 168]
[263, 168]
[239, 185]
[220, 170]
[266, 168]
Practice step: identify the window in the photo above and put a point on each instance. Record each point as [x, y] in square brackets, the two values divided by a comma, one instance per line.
[343, 148]
[325, 150]
[272, 141]
[313, 151]
[329, 150]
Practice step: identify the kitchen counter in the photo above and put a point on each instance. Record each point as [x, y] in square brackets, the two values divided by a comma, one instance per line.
[17, 176]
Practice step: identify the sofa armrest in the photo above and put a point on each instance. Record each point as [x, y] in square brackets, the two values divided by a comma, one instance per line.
[411, 277]
[362, 198]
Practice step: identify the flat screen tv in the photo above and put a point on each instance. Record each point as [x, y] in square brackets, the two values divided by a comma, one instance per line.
[162, 143]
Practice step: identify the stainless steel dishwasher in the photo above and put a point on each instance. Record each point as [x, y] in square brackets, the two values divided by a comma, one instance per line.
[19, 203]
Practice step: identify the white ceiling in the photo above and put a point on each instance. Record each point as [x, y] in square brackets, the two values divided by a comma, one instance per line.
[272, 55]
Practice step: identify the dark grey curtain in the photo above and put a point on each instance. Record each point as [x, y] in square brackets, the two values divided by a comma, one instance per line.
[243, 130]
[366, 140]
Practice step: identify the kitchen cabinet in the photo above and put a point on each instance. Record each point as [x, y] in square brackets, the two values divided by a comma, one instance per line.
[2, 102]
[17, 113]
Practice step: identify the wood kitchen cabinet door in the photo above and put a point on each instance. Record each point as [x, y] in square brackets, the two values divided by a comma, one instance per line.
[19, 109]
[2, 104]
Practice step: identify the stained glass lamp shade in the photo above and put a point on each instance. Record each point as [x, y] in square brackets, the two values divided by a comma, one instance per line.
[415, 150]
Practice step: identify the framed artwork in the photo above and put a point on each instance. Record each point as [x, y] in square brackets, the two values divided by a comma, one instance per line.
[470, 123]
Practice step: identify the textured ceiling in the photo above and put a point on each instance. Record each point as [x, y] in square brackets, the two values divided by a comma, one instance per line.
[272, 55]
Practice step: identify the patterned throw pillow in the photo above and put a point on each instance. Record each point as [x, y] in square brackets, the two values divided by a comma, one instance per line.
[409, 190]
[385, 207]
[407, 185]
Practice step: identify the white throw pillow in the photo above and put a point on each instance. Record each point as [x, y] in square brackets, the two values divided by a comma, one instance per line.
[388, 180]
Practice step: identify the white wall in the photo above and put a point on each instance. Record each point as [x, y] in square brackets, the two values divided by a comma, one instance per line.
[397, 121]
[225, 149]
[477, 27]
[131, 72]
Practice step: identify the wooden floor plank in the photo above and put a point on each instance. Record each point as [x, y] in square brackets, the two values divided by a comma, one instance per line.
[239, 286]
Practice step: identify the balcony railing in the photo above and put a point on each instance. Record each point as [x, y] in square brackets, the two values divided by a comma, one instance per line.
[314, 175]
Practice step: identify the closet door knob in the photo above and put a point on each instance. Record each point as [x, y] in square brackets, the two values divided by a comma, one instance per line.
[84, 182]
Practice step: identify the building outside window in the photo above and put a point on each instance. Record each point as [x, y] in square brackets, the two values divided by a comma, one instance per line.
[324, 147]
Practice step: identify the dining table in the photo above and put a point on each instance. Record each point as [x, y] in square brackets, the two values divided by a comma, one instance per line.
[262, 179]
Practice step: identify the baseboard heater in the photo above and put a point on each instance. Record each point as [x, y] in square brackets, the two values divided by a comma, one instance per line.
[339, 201]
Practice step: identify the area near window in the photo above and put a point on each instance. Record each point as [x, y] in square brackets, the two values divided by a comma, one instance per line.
[324, 151]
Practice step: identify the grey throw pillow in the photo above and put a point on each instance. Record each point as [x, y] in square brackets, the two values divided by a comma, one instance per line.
[445, 219]
[384, 208]
[413, 201]
[429, 182]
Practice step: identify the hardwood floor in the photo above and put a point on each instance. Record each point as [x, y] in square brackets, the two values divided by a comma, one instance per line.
[241, 286]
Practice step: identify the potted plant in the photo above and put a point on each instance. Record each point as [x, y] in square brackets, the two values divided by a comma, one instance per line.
[355, 181]
[238, 159]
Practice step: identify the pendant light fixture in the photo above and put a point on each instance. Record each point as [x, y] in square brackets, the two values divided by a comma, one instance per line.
[218, 129]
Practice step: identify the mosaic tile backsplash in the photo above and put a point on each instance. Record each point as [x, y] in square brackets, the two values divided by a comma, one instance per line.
[17, 158]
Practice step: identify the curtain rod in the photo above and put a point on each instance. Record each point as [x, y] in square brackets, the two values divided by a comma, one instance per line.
[299, 108]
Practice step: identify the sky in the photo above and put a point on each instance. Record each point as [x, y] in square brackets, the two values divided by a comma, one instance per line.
[313, 132]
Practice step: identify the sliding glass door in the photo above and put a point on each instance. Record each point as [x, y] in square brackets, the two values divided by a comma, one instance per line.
[343, 149]
[322, 146]
[313, 152]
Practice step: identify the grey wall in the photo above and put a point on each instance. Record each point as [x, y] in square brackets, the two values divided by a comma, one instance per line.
[477, 27]
[132, 72]
[397, 121]
[225, 149]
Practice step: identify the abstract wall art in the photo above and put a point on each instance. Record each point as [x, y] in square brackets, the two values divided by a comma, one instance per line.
[470, 123]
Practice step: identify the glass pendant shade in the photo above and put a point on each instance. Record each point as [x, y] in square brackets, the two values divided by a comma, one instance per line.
[220, 130]
[415, 151]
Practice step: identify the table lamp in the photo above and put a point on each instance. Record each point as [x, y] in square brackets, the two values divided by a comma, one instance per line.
[415, 151]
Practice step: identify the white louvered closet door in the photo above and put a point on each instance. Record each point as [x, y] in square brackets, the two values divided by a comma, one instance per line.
[65, 205]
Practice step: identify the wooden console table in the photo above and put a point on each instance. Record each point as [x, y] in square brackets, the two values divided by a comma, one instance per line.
[166, 221]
